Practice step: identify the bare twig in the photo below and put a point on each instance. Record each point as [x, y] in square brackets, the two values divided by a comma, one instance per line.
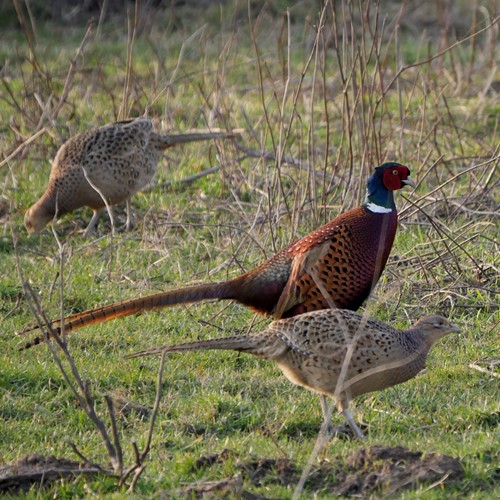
[132, 31]
[71, 72]
[140, 456]
[441, 52]
[474, 366]
[114, 431]
[194, 177]
[80, 390]
[283, 160]
[22, 146]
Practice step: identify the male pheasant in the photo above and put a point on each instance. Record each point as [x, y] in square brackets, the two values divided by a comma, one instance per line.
[336, 353]
[336, 265]
[105, 165]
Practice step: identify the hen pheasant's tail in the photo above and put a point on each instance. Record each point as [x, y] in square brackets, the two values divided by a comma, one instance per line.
[240, 343]
[135, 306]
[165, 141]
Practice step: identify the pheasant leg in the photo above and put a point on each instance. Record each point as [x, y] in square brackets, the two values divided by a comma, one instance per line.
[357, 431]
[327, 426]
[129, 223]
[92, 223]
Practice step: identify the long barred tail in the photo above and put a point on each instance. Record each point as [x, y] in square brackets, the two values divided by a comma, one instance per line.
[165, 141]
[135, 306]
[240, 343]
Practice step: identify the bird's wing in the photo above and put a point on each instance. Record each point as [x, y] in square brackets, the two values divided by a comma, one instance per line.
[302, 263]
[329, 335]
[122, 140]
[290, 295]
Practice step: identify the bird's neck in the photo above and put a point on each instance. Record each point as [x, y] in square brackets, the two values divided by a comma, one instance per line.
[420, 339]
[46, 205]
[379, 199]
[50, 204]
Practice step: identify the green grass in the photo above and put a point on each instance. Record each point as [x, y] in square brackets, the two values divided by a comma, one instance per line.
[440, 121]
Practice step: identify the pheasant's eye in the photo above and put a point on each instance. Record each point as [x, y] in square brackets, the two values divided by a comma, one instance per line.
[395, 172]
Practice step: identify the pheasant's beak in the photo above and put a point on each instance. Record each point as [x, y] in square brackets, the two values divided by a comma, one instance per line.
[410, 182]
[454, 329]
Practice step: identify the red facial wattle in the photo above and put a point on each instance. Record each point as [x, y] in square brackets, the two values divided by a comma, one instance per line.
[394, 176]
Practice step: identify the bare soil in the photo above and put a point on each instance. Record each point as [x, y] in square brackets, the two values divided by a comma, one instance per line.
[379, 469]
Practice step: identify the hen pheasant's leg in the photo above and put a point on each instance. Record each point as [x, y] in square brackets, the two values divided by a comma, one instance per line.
[336, 430]
[352, 423]
[129, 223]
[327, 425]
[93, 222]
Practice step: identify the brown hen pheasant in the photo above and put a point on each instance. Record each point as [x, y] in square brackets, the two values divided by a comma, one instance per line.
[106, 165]
[336, 353]
[336, 265]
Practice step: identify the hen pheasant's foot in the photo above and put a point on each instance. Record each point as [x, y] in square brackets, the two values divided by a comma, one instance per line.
[125, 227]
[128, 226]
[129, 222]
[339, 431]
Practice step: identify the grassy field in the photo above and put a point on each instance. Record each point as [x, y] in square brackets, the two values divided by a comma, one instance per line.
[323, 96]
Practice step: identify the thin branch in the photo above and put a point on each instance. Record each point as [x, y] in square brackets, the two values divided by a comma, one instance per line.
[438, 54]
[21, 147]
[114, 431]
[81, 390]
[483, 370]
[71, 72]
[194, 177]
[156, 408]
[79, 454]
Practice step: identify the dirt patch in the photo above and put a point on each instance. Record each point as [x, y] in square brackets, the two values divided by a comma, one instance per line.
[270, 470]
[38, 469]
[375, 470]
[388, 470]
[208, 461]
[369, 471]
[230, 487]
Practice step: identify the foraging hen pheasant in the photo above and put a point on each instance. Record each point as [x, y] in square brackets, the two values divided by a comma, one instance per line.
[336, 353]
[105, 165]
[336, 265]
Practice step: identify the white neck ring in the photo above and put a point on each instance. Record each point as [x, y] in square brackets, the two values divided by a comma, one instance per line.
[373, 207]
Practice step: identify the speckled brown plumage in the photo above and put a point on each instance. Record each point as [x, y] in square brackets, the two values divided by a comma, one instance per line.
[336, 265]
[336, 353]
[109, 163]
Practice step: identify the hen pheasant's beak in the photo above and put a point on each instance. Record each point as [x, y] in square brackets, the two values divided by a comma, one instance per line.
[410, 182]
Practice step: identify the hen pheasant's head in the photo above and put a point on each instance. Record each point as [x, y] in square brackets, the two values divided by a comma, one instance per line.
[435, 327]
[36, 218]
